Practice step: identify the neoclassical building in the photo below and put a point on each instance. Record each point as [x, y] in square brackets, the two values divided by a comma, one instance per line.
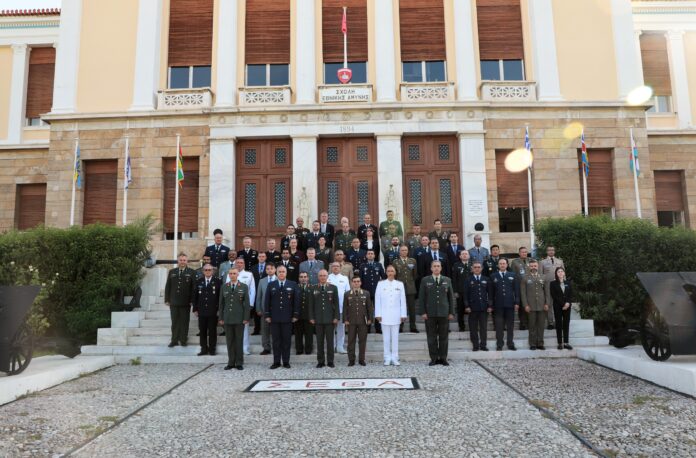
[441, 92]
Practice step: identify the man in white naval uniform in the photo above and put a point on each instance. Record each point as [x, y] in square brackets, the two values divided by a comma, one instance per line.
[390, 310]
[247, 278]
[342, 283]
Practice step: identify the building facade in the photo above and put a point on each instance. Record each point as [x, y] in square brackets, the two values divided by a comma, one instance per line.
[441, 92]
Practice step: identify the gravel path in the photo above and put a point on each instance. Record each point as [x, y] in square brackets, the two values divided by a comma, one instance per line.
[55, 420]
[461, 410]
[619, 414]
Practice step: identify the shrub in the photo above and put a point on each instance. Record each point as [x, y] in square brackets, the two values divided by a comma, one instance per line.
[81, 269]
[602, 256]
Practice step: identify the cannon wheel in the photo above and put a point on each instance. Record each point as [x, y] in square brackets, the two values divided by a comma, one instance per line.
[21, 350]
[655, 336]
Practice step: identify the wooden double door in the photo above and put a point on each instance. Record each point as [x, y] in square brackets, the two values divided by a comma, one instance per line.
[263, 190]
[347, 179]
[431, 183]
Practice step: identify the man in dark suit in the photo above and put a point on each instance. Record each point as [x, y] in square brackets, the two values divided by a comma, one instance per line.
[454, 249]
[272, 255]
[367, 224]
[250, 256]
[291, 266]
[435, 254]
[205, 307]
[505, 301]
[326, 228]
[259, 272]
[312, 238]
[281, 311]
[217, 252]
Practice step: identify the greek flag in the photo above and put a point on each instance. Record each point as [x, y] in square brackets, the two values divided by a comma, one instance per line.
[527, 144]
[634, 156]
[77, 170]
[585, 160]
[127, 177]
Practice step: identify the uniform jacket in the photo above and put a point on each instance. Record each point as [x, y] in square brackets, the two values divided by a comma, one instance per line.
[235, 307]
[285, 241]
[292, 268]
[259, 274]
[490, 266]
[357, 258]
[406, 273]
[370, 275]
[324, 304]
[533, 291]
[357, 307]
[298, 256]
[248, 279]
[312, 271]
[326, 256]
[478, 254]
[460, 274]
[343, 240]
[505, 290]
[218, 254]
[273, 256]
[301, 233]
[390, 302]
[312, 239]
[362, 231]
[251, 258]
[348, 270]
[282, 304]
[548, 269]
[179, 289]
[306, 293]
[342, 284]
[520, 266]
[476, 293]
[260, 302]
[390, 255]
[413, 243]
[443, 238]
[386, 231]
[436, 301]
[207, 298]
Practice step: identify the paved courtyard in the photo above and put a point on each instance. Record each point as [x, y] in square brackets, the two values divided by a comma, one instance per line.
[461, 410]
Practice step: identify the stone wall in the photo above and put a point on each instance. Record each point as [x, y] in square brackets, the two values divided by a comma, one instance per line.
[21, 166]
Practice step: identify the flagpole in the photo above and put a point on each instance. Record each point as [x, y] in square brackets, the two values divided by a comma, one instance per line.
[72, 199]
[125, 184]
[584, 188]
[635, 175]
[176, 199]
[584, 173]
[345, 43]
[531, 208]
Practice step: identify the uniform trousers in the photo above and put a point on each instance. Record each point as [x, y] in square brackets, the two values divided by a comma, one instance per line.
[265, 335]
[537, 324]
[562, 323]
[504, 321]
[180, 315]
[524, 318]
[325, 335]
[340, 337]
[390, 342]
[478, 322]
[207, 325]
[460, 313]
[234, 338]
[281, 334]
[551, 317]
[304, 337]
[437, 331]
[358, 331]
[258, 324]
[411, 309]
[245, 340]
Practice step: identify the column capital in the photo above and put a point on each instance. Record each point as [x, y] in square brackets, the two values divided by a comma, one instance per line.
[221, 140]
[304, 137]
[389, 136]
[675, 34]
[473, 135]
[20, 48]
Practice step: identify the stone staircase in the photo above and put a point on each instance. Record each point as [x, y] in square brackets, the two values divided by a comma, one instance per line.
[145, 333]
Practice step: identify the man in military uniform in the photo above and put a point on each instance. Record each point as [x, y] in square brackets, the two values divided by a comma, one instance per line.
[227, 265]
[436, 306]
[505, 300]
[260, 307]
[440, 235]
[476, 304]
[301, 233]
[533, 292]
[259, 272]
[547, 268]
[391, 252]
[343, 238]
[282, 310]
[367, 224]
[199, 271]
[312, 266]
[413, 242]
[324, 314]
[291, 266]
[357, 316]
[406, 274]
[205, 307]
[389, 229]
[234, 313]
[460, 275]
[289, 235]
[296, 254]
[478, 252]
[346, 267]
[343, 285]
[304, 330]
[217, 252]
[356, 255]
[179, 296]
[250, 255]
[248, 279]
[490, 264]
[371, 272]
[272, 255]
[519, 266]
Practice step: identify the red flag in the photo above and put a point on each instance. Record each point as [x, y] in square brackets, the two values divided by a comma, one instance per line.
[344, 22]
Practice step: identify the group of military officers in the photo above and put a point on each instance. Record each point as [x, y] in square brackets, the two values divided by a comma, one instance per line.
[291, 291]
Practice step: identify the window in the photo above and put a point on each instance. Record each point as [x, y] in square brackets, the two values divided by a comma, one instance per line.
[188, 198]
[513, 219]
[39, 84]
[600, 182]
[189, 77]
[513, 196]
[661, 104]
[267, 75]
[669, 197]
[30, 208]
[670, 218]
[424, 71]
[502, 70]
[359, 72]
[656, 71]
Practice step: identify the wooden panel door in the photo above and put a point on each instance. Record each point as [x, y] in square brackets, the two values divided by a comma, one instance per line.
[100, 192]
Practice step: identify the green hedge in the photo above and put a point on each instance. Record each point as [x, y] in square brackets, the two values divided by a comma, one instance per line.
[603, 255]
[82, 270]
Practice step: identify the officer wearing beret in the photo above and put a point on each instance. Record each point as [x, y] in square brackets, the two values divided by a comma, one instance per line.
[234, 313]
[205, 307]
[505, 300]
[179, 297]
[371, 272]
[436, 306]
[475, 295]
[282, 310]
[324, 313]
[217, 252]
[357, 316]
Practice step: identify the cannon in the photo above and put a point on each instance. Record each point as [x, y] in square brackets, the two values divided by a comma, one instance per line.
[16, 340]
[669, 326]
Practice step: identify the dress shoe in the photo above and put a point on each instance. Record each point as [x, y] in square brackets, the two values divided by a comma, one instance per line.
[222, 333]
[433, 363]
[184, 344]
[331, 365]
[512, 347]
[255, 333]
[228, 367]
[274, 366]
[567, 347]
[320, 365]
[532, 348]
[286, 366]
[246, 353]
[362, 363]
[297, 353]
[498, 348]
[475, 349]
[265, 352]
[541, 347]
[351, 363]
[560, 347]
[239, 368]
[198, 335]
[341, 351]
[550, 327]
[387, 363]
[172, 344]
[379, 332]
[414, 330]
[396, 362]
[444, 362]
[523, 328]
[212, 353]
[201, 353]
[484, 348]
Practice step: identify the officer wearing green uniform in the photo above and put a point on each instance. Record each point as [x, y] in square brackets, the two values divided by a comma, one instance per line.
[357, 316]
[178, 296]
[520, 266]
[324, 313]
[343, 238]
[406, 273]
[533, 292]
[234, 312]
[388, 229]
[436, 305]
[304, 331]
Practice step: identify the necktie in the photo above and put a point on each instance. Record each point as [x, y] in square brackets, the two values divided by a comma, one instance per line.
[281, 284]
[436, 256]
[477, 278]
[207, 282]
[437, 281]
[311, 265]
[322, 288]
[551, 260]
[501, 275]
[233, 287]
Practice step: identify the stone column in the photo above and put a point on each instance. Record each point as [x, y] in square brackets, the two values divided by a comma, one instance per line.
[222, 189]
[465, 52]
[147, 56]
[680, 81]
[18, 91]
[305, 189]
[472, 167]
[305, 60]
[385, 51]
[390, 193]
[629, 71]
[67, 57]
[226, 69]
[544, 49]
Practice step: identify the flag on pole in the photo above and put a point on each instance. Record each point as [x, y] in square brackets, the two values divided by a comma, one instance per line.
[180, 167]
[77, 170]
[128, 178]
[344, 23]
[634, 156]
[585, 160]
[527, 144]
